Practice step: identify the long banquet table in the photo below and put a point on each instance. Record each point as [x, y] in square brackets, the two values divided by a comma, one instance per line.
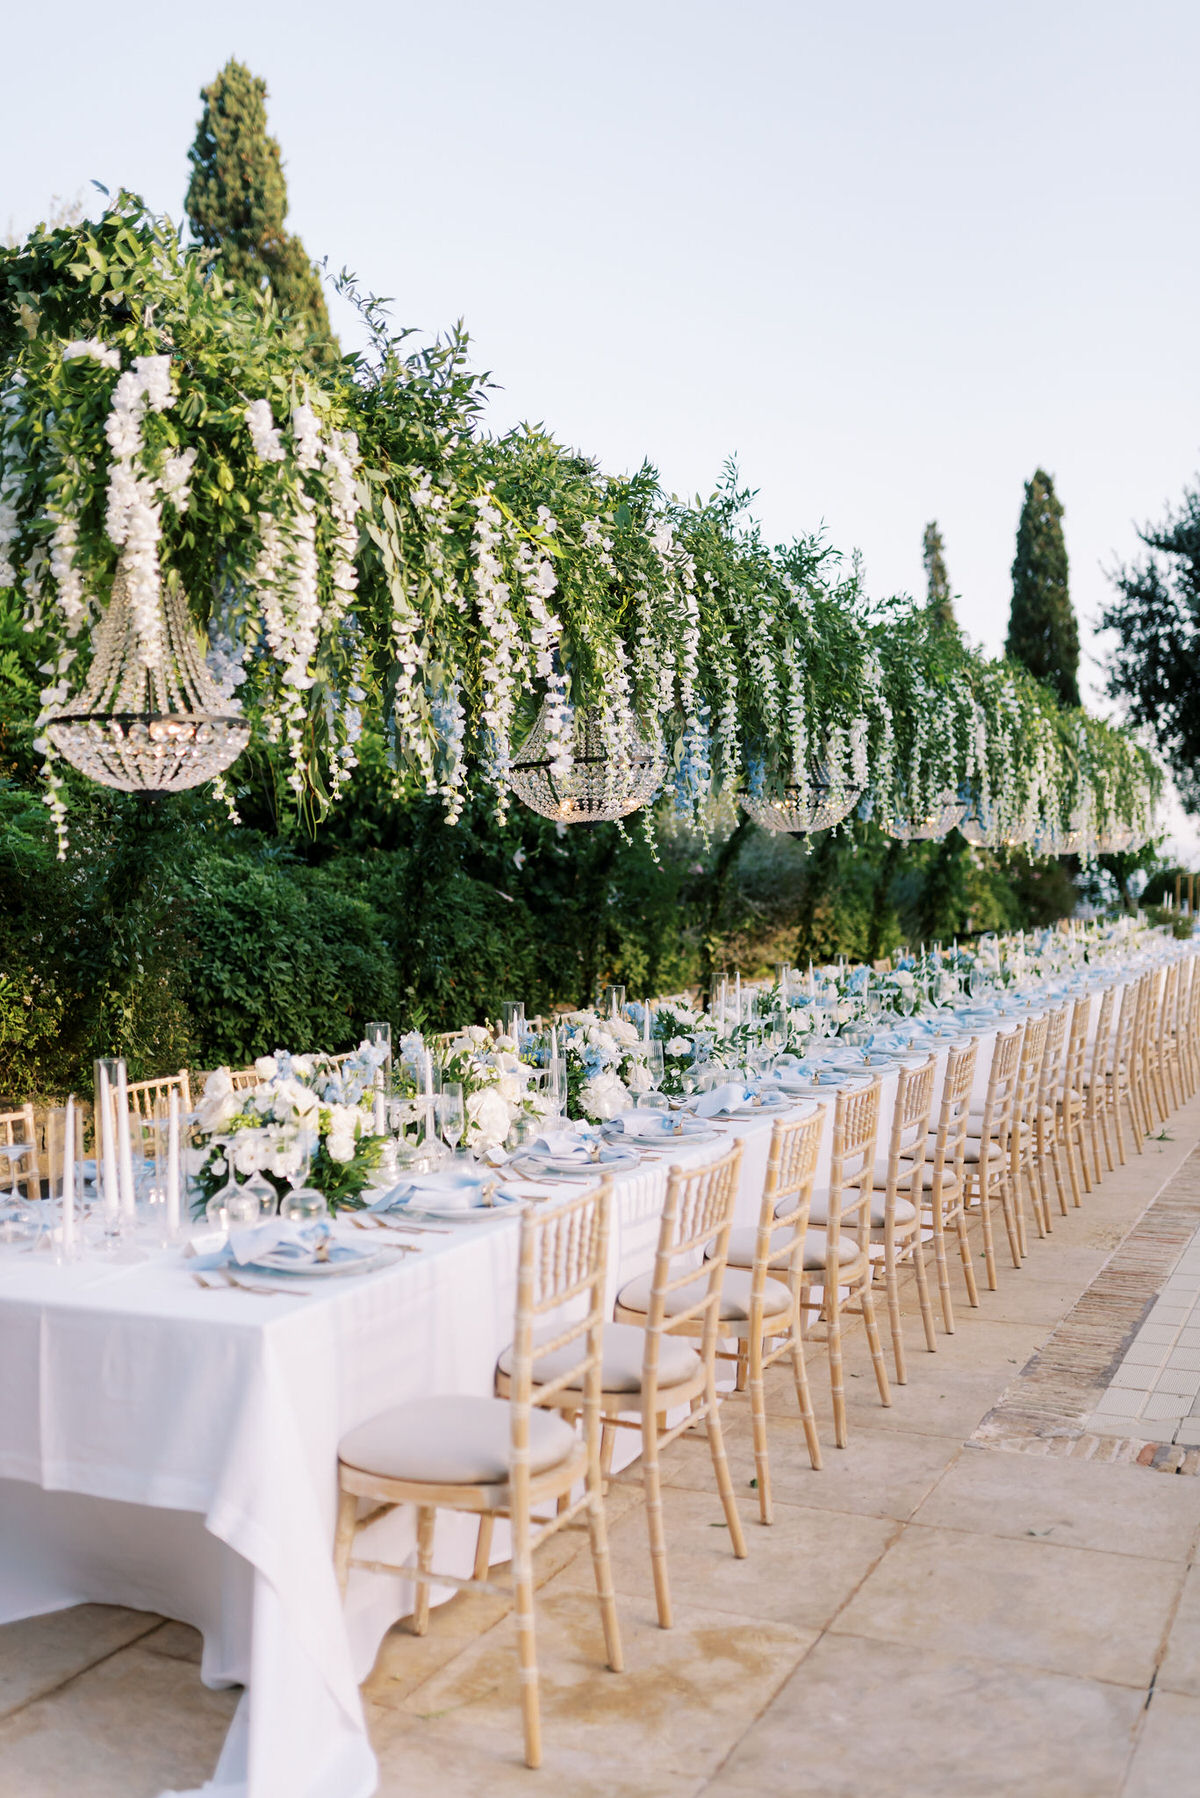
[174, 1450]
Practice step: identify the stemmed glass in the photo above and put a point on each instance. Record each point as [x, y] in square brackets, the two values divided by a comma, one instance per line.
[451, 1113]
[612, 1004]
[651, 1056]
[303, 1204]
[232, 1206]
[512, 1018]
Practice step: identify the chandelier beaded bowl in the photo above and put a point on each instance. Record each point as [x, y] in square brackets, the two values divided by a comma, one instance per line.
[615, 768]
[822, 803]
[934, 822]
[150, 718]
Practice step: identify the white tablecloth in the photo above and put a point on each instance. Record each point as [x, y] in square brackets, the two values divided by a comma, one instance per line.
[175, 1450]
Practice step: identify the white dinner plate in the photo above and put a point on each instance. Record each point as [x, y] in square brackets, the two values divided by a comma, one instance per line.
[351, 1263]
[502, 1203]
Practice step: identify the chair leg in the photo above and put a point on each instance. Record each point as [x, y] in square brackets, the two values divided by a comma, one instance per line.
[964, 1249]
[526, 1640]
[891, 1279]
[1068, 1147]
[716, 1443]
[602, 1568]
[743, 1368]
[343, 1542]
[1118, 1131]
[483, 1547]
[426, 1519]
[804, 1399]
[833, 1329]
[985, 1218]
[1011, 1222]
[875, 1345]
[758, 1424]
[943, 1270]
[654, 1519]
[923, 1291]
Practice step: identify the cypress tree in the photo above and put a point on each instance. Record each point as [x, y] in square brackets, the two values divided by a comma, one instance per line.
[237, 201]
[1042, 632]
[933, 554]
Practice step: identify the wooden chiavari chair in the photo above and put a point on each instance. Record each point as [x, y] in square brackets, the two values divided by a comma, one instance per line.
[504, 1457]
[761, 1291]
[649, 1363]
[1046, 1143]
[843, 1260]
[1121, 1089]
[944, 1180]
[1169, 1052]
[15, 1150]
[1095, 1084]
[896, 1229]
[1071, 1102]
[1146, 1053]
[1023, 1136]
[987, 1155]
[144, 1095]
[1191, 1029]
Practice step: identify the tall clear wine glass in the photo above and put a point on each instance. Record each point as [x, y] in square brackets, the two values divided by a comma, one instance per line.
[451, 1113]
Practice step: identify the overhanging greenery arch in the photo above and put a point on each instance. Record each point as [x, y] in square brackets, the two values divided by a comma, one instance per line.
[363, 557]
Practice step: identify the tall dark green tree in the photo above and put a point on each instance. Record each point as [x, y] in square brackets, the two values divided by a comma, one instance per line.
[1156, 668]
[1042, 632]
[237, 201]
[937, 580]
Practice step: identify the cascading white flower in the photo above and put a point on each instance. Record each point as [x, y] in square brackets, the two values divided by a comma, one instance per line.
[264, 432]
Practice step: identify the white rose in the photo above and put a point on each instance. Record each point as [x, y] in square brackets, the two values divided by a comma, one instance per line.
[214, 1114]
[623, 1031]
[302, 1065]
[510, 1087]
[489, 1114]
[266, 1066]
[339, 1147]
[903, 977]
[218, 1084]
[604, 1097]
[302, 1100]
[679, 1045]
[247, 1152]
[284, 1162]
[477, 1033]
[344, 1120]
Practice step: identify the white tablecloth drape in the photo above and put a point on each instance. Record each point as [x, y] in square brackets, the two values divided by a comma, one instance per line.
[175, 1450]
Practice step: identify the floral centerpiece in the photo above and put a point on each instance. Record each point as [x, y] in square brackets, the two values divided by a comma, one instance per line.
[302, 1105]
[496, 1083]
[602, 1070]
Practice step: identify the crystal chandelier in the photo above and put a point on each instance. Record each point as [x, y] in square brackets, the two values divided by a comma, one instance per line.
[824, 802]
[614, 769]
[936, 821]
[150, 719]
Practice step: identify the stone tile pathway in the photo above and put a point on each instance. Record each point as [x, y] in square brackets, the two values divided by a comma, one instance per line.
[931, 1616]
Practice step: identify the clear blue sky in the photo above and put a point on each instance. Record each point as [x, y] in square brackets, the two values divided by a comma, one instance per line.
[892, 256]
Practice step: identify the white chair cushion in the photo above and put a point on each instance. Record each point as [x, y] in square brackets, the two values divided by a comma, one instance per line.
[905, 1210]
[735, 1294]
[742, 1241]
[816, 1249]
[458, 1440]
[624, 1349]
[972, 1151]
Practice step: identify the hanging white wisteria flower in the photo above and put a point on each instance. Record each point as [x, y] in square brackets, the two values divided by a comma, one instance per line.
[371, 566]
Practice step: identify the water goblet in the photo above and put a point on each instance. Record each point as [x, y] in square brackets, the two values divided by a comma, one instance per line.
[451, 1113]
[612, 1003]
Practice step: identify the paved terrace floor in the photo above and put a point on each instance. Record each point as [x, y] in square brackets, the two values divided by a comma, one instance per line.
[993, 1590]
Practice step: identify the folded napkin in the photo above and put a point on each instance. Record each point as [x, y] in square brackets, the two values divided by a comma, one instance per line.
[729, 1097]
[456, 1187]
[280, 1238]
[643, 1123]
[275, 1236]
[564, 1145]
